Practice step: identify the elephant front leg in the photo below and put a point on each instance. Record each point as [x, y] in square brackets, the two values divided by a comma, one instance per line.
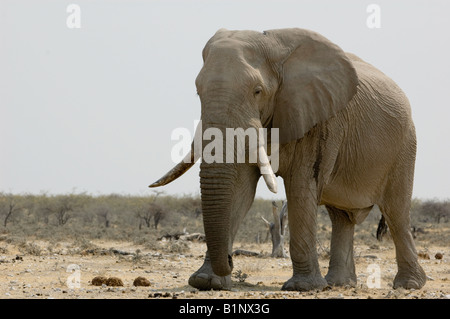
[302, 246]
[205, 279]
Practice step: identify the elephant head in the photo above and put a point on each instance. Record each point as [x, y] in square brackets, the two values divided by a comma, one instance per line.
[290, 79]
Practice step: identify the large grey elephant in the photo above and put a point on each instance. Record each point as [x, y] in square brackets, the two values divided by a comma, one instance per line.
[346, 140]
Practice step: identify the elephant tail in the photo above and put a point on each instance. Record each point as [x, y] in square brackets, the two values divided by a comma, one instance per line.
[382, 228]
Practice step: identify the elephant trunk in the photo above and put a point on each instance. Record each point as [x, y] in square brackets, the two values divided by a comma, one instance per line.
[220, 191]
[217, 184]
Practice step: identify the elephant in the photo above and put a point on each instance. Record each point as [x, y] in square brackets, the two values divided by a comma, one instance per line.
[346, 140]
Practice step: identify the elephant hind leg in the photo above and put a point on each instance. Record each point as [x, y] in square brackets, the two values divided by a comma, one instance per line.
[341, 270]
[395, 208]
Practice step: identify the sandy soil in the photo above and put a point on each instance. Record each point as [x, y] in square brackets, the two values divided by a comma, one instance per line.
[68, 273]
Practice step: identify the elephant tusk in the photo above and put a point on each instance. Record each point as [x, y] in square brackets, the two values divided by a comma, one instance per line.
[266, 170]
[178, 170]
[187, 162]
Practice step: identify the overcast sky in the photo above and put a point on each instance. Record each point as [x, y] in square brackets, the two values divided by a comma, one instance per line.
[93, 108]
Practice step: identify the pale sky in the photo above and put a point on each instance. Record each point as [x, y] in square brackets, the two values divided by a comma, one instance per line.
[93, 108]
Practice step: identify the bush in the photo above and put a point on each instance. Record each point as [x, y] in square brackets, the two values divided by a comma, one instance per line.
[434, 211]
[114, 217]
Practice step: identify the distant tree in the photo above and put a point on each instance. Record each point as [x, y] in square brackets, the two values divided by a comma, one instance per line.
[61, 206]
[148, 210]
[436, 210]
[151, 212]
[145, 215]
[8, 206]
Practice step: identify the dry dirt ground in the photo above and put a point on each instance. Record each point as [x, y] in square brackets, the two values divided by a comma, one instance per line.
[66, 272]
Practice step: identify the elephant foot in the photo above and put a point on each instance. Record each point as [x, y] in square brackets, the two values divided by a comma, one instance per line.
[305, 283]
[410, 279]
[205, 279]
[334, 278]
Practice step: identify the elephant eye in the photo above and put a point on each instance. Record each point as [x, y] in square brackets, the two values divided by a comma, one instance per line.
[258, 91]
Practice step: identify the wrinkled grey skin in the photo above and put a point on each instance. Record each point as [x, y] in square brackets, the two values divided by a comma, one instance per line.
[347, 141]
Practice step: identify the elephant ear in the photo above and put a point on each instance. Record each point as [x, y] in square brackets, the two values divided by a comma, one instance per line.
[317, 81]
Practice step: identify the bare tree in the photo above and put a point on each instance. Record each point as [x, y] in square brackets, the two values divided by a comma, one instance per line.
[62, 215]
[9, 206]
[277, 229]
[436, 210]
[62, 207]
[148, 211]
[144, 215]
